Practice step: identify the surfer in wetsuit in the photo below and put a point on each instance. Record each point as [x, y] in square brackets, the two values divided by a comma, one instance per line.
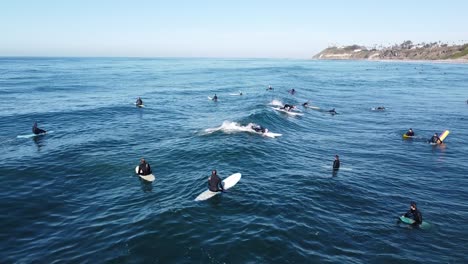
[292, 91]
[144, 168]
[214, 182]
[269, 88]
[306, 104]
[381, 108]
[215, 98]
[139, 102]
[410, 133]
[287, 107]
[259, 128]
[336, 163]
[333, 112]
[435, 139]
[414, 214]
[37, 130]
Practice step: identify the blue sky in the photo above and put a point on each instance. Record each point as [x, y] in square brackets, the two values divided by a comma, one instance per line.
[205, 28]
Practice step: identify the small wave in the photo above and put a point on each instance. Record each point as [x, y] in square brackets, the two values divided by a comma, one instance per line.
[231, 127]
[276, 103]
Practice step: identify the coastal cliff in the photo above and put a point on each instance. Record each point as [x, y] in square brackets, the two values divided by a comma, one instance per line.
[405, 51]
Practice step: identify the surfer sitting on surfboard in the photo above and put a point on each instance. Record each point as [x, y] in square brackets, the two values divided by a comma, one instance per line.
[435, 139]
[336, 163]
[139, 102]
[410, 133]
[214, 182]
[37, 130]
[144, 168]
[259, 128]
[288, 107]
[415, 214]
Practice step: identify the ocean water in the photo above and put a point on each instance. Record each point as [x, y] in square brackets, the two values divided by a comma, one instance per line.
[71, 196]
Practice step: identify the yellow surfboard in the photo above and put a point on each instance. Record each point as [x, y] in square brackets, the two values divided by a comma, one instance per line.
[444, 135]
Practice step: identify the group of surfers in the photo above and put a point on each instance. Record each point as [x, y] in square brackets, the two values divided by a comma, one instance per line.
[434, 139]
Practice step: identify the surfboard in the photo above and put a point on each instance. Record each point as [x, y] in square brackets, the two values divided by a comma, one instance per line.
[149, 178]
[227, 183]
[34, 135]
[288, 112]
[409, 221]
[313, 107]
[271, 134]
[444, 135]
[407, 137]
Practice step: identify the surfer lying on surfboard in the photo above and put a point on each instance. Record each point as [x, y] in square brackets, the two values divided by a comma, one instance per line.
[333, 112]
[258, 128]
[288, 107]
[37, 130]
[214, 182]
[144, 168]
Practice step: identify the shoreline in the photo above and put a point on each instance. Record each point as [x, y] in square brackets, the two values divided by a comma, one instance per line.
[448, 61]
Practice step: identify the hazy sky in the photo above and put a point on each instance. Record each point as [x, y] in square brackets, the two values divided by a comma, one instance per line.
[205, 28]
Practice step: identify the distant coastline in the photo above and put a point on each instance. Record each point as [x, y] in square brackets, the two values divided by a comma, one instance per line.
[406, 51]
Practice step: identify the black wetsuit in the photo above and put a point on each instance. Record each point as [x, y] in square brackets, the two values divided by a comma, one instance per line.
[336, 164]
[139, 102]
[333, 112]
[258, 129]
[37, 130]
[214, 183]
[415, 215]
[435, 139]
[410, 134]
[215, 98]
[287, 107]
[144, 169]
[305, 104]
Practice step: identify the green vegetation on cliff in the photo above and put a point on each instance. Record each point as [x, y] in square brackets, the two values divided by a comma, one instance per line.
[404, 51]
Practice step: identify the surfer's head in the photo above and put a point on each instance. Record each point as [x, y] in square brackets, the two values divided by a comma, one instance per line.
[413, 206]
[337, 157]
[435, 134]
[214, 172]
[142, 160]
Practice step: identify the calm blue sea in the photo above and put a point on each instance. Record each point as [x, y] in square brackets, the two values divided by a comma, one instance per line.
[72, 196]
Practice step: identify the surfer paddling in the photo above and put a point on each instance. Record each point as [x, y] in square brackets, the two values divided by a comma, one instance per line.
[37, 130]
[214, 182]
[259, 129]
[288, 107]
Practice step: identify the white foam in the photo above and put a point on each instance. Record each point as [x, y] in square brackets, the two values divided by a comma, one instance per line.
[229, 127]
[276, 103]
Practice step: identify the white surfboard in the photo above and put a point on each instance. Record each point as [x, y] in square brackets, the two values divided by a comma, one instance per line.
[149, 178]
[271, 134]
[227, 184]
[313, 107]
[34, 135]
[288, 112]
